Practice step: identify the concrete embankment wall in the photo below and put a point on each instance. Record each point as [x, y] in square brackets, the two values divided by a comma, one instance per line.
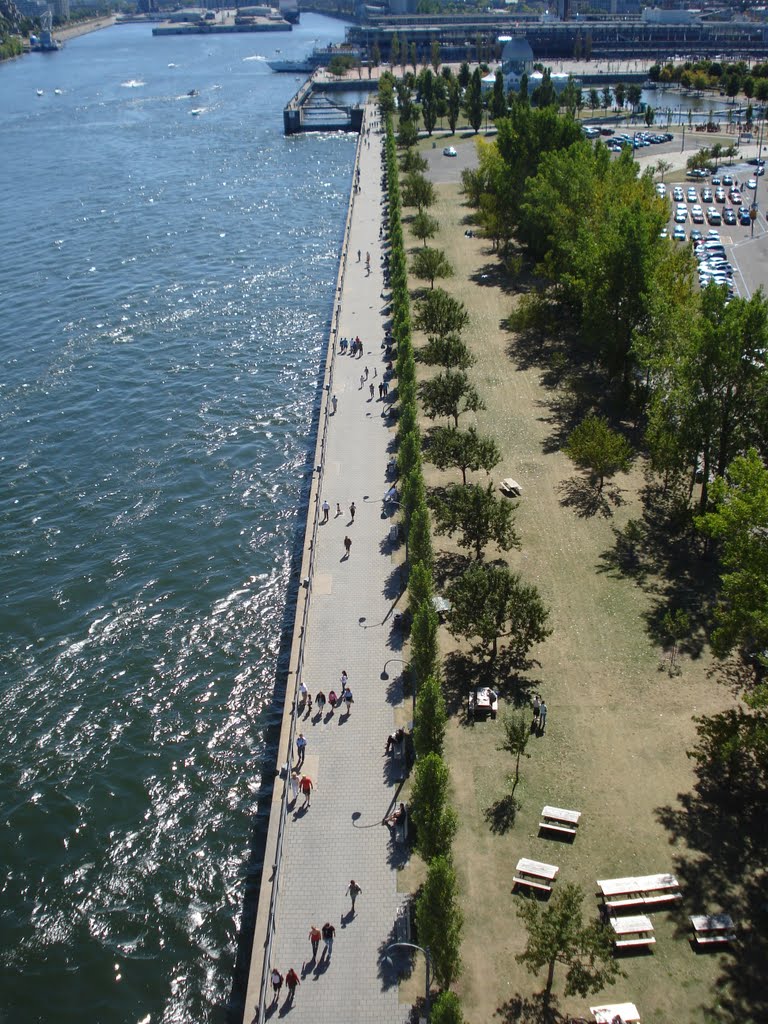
[270, 880]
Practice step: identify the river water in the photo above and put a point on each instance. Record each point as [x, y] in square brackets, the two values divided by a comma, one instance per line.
[167, 281]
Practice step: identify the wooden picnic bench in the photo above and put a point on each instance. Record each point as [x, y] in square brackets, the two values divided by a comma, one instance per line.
[639, 891]
[511, 488]
[626, 1012]
[632, 931]
[560, 819]
[535, 874]
[711, 929]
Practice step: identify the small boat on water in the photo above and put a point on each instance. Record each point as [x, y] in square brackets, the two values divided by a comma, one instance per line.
[196, 112]
[39, 92]
[193, 92]
[57, 92]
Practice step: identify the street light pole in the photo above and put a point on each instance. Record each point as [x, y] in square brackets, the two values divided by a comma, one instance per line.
[428, 958]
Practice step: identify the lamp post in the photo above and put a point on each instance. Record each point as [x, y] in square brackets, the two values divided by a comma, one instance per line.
[428, 958]
[391, 501]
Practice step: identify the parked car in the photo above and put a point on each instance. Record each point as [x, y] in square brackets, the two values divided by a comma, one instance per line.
[720, 195]
[449, 151]
[679, 234]
[752, 183]
[695, 235]
[692, 197]
[697, 215]
[727, 179]
[706, 195]
[677, 194]
[681, 215]
[713, 215]
[744, 217]
[729, 215]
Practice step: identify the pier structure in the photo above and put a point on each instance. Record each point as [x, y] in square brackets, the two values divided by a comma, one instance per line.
[347, 620]
[314, 109]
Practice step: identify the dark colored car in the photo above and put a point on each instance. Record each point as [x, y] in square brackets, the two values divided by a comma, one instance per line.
[729, 215]
[744, 217]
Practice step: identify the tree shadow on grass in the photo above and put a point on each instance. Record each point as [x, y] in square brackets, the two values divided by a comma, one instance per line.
[721, 826]
[588, 500]
[501, 815]
[529, 1010]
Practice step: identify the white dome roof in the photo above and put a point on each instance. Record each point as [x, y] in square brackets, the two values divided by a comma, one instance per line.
[517, 50]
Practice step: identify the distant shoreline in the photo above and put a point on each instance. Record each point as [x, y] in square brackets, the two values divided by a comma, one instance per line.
[83, 28]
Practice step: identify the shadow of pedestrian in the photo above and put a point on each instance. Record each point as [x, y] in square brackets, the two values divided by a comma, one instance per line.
[300, 812]
[306, 967]
[347, 918]
[321, 967]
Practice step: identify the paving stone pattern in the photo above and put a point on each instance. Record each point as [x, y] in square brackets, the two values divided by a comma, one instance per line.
[350, 627]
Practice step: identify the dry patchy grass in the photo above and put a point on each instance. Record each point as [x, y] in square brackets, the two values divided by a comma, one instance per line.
[618, 728]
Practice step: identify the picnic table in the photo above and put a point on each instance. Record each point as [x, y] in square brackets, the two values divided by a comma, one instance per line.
[712, 928]
[442, 606]
[639, 891]
[632, 931]
[535, 874]
[483, 699]
[626, 1012]
[559, 819]
[510, 487]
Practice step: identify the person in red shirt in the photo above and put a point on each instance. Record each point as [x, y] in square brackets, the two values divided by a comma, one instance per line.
[306, 788]
[291, 980]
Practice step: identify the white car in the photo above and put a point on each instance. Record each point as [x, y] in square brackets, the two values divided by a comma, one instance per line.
[677, 194]
[681, 215]
[692, 195]
[752, 183]
[449, 151]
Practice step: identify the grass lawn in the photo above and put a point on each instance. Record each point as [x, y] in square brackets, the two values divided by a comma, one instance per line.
[618, 727]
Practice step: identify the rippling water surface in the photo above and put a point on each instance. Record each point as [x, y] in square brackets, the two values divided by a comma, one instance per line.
[167, 284]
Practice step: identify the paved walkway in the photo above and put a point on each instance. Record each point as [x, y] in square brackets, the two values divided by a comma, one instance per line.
[350, 627]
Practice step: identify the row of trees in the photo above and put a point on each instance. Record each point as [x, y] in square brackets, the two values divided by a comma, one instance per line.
[688, 365]
[711, 74]
[438, 915]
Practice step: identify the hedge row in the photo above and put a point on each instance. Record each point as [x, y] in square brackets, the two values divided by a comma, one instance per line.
[438, 917]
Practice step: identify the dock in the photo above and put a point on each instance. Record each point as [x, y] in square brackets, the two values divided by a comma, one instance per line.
[346, 620]
[315, 109]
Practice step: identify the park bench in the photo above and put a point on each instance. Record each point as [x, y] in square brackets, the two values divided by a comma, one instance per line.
[641, 891]
[712, 929]
[632, 931]
[626, 1012]
[510, 488]
[535, 874]
[560, 819]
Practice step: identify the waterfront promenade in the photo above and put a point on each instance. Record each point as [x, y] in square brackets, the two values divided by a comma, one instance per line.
[347, 613]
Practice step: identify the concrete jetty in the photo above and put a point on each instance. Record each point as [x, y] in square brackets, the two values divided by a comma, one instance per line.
[345, 621]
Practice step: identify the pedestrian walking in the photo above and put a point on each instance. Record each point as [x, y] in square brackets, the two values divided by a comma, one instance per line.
[320, 701]
[314, 938]
[353, 891]
[536, 709]
[277, 984]
[306, 788]
[303, 691]
[335, 404]
[347, 546]
[326, 509]
[291, 981]
[338, 509]
[344, 680]
[359, 254]
[381, 391]
[366, 373]
[294, 785]
[301, 748]
[370, 390]
[352, 510]
[329, 933]
[332, 700]
[348, 699]
[362, 381]
[542, 717]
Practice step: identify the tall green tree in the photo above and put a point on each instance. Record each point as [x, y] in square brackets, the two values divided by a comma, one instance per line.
[739, 522]
[517, 732]
[434, 55]
[429, 718]
[439, 920]
[418, 191]
[446, 1009]
[449, 351]
[490, 603]
[558, 935]
[477, 516]
[464, 74]
[497, 106]
[425, 655]
[473, 101]
[394, 50]
[449, 394]
[450, 448]
[429, 264]
[428, 101]
[413, 162]
[434, 819]
[602, 452]
[439, 314]
[453, 104]
[423, 226]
